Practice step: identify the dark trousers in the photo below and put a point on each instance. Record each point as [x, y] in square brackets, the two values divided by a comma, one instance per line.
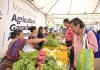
[71, 56]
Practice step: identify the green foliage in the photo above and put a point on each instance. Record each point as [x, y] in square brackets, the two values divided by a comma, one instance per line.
[27, 61]
[52, 35]
[49, 63]
[52, 42]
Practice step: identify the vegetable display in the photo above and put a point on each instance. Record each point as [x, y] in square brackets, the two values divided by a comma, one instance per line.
[27, 61]
[62, 56]
[52, 35]
[40, 58]
[51, 63]
[51, 43]
[53, 56]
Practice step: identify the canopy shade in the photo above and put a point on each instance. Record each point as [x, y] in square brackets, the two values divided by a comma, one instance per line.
[60, 9]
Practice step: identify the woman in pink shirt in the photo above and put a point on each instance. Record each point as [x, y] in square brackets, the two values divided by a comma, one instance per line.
[78, 28]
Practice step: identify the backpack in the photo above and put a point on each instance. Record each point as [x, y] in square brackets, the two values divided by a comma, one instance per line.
[97, 54]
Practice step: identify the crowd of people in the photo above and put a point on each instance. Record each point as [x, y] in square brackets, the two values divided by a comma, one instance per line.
[73, 40]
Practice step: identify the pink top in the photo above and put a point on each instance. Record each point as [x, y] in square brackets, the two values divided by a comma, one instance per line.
[78, 43]
[69, 34]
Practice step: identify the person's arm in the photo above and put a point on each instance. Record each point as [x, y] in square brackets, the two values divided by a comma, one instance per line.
[92, 41]
[37, 40]
[30, 37]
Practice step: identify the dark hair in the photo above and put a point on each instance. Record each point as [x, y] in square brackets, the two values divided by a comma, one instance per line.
[51, 29]
[32, 28]
[77, 21]
[40, 28]
[45, 28]
[15, 33]
[66, 20]
[61, 27]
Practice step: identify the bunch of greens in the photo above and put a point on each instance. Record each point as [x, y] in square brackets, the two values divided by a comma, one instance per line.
[61, 66]
[51, 63]
[27, 61]
[51, 42]
[52, 35]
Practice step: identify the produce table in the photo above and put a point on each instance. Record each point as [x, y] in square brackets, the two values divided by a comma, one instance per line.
[42, 60]
[52, 56]
[61, 53]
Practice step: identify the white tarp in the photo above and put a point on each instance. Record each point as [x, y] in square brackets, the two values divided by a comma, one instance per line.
[60, 9]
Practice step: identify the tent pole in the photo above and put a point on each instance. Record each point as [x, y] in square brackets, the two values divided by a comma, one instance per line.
[36, 7]
[97, 6]
[74, 14]
[70, 7]
[46, 19]
[52, 6]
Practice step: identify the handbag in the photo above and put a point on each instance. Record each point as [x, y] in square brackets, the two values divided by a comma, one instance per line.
[85, 59]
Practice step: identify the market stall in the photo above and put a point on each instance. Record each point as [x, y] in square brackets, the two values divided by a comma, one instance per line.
[52, 56]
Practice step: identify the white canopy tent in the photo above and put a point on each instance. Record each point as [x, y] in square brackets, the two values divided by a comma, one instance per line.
[57, 10]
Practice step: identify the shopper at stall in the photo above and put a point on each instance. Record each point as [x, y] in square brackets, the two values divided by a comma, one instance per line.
[46, 33]
[51, 30]
[69, 37]
[40, 34]
[15, 47]
[33, 35]
[69, 33]
[78, 28]
[62, 30]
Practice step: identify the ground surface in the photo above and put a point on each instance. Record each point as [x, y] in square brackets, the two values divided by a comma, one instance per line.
[97, 64]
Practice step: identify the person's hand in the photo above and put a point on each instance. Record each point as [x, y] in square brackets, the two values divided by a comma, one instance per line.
[45, 39]
[69, 48]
